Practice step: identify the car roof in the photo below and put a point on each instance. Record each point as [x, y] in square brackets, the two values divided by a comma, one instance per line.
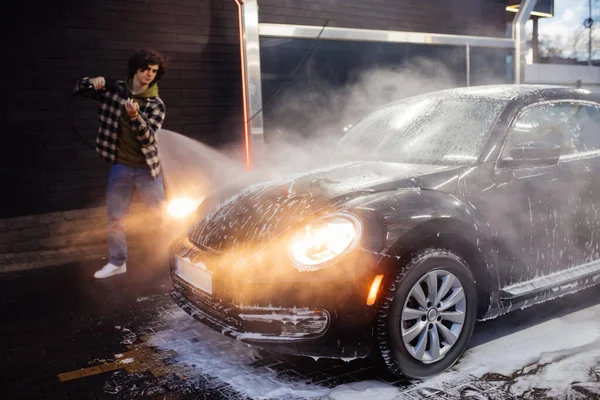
[512, 95]
[511, 92]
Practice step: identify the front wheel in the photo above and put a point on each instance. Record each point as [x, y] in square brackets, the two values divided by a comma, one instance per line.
[427, 317]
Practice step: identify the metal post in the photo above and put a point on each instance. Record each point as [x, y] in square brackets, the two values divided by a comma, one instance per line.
[251, 76]
[591, 23]
[468, 49]
[519, 22]
[535, 48]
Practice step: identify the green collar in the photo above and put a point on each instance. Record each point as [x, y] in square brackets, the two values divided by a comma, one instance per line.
[152, 91]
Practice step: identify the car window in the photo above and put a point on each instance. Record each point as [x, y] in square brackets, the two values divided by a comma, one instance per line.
[427, 130]
[574, 126]
[585, 128]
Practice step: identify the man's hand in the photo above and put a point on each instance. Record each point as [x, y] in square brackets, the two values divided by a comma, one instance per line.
[132, 108]
[98, 82]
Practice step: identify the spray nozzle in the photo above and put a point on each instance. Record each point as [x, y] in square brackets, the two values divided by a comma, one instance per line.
[83, 86]
[111, 85]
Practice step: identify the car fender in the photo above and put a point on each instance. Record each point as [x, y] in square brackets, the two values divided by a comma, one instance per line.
[415, 216]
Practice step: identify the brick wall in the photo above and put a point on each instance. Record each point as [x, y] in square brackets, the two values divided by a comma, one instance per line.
[463, 17]
[43, 166]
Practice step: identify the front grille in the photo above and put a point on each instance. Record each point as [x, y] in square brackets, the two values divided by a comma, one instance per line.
[220, 310]
[256, 323]
[298, 323]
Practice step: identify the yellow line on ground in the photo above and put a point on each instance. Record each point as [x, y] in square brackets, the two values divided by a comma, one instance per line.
[139, 358]
[80, 373]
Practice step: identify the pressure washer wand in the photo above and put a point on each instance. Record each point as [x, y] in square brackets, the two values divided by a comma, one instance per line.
[111, 85]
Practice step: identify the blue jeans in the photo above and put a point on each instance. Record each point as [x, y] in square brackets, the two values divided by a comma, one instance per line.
[121, 182]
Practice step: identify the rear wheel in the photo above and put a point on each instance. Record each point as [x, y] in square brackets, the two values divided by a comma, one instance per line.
[427, 317]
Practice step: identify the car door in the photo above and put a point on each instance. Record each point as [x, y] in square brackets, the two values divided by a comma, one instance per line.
[583, 157]
[529, 206]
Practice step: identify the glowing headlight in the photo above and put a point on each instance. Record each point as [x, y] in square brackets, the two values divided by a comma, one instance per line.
[182, 207]
[324, 240]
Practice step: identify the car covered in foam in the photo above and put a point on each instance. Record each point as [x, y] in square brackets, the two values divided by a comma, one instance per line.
[456, 206]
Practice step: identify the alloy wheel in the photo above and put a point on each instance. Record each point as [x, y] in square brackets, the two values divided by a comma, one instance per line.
[433, 316]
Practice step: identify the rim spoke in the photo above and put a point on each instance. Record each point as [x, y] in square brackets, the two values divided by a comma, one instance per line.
[448, 335]
[447, 282]
[432, 287]
[421, 345]
[434, 340]
[417, 294]
[457, 317]
[408, 314]
[413, 331]
[456, 296]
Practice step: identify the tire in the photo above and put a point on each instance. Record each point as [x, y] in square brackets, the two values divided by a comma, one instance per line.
[418, 356]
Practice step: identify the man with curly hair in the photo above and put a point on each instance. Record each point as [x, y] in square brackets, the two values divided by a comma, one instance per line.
[130, 114]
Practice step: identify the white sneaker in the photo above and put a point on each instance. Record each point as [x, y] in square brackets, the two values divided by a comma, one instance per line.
[110, 270]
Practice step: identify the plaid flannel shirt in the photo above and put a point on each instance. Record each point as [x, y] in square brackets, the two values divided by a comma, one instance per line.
[151, 116]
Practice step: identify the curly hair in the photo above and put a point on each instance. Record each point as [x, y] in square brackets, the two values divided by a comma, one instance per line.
[145, 57]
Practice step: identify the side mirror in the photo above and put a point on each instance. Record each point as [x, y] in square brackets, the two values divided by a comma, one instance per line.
[533, 154]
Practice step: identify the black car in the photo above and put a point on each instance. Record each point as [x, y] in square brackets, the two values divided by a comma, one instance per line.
[456, 206]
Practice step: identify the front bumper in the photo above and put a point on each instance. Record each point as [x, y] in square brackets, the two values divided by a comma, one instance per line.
[303, 318]
[255, 323]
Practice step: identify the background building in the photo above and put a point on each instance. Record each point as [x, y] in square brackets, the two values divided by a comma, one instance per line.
[348, 57]
[46, 168]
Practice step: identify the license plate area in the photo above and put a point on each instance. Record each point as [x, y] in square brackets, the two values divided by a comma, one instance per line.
[195, 275]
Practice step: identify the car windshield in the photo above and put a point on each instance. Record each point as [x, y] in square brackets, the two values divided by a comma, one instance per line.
[427, 130]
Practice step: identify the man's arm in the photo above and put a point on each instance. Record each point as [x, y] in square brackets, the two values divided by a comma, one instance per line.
[90, 87]
[146, 126]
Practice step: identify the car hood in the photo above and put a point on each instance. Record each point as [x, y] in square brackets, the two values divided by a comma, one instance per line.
[250, 219]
